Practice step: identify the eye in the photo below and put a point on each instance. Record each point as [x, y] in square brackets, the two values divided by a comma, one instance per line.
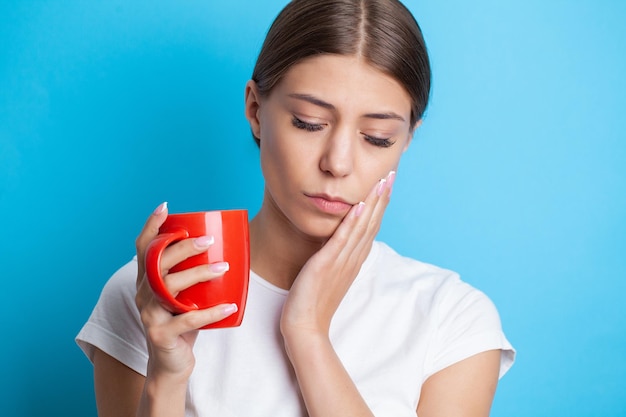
[380, 142]
[309, 127]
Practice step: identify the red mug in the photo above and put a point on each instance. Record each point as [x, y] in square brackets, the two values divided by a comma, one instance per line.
[229, 229]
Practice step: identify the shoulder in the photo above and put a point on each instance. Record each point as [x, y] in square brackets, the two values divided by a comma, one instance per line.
[117, 298]
[460, 319]
[404, 286]
[124, 276]
[388, 268]
[114, 325]
[444, 290]
[121, 286]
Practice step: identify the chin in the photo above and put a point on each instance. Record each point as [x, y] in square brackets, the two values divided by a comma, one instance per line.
[318, 229]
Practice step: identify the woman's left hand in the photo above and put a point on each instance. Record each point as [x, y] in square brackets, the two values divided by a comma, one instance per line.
[313, 300]
[326, 277]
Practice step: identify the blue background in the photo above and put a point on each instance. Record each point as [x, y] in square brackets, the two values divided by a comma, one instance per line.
[517, 178]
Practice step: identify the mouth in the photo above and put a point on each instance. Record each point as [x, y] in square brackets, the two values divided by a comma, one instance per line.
[329, 204]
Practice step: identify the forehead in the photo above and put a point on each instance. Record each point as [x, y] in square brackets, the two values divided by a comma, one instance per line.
[345, 80]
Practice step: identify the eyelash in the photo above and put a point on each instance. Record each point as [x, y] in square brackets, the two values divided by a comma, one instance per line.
[309, 127]
[312, 127]
[380, 142]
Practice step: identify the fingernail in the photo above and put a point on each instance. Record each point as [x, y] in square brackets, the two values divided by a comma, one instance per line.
[219, 267]
[359, 209]
[381, 186]
[203, 242]
[390, 180]
[160, 209]
[230, 309]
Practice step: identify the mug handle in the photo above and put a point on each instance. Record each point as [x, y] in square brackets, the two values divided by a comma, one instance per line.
[153, 271]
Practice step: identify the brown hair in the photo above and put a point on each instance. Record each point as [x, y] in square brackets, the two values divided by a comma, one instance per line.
[384, 32]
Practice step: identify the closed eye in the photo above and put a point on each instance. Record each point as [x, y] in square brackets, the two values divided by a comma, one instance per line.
[309, 127]
[380, 142]
[316, 127]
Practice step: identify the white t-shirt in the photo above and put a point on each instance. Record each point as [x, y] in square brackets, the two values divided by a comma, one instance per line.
[400, 322]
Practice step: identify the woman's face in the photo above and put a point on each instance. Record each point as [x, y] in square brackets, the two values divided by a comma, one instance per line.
[328, 132]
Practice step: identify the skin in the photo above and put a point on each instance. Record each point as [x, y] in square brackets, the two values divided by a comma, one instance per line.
[321, 130]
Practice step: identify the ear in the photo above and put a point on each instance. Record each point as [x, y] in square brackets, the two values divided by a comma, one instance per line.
[411, 134]
[252, 107]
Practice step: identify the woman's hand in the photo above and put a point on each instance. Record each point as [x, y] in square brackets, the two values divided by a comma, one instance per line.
[170, 338]
[326, 277]
[313, 300]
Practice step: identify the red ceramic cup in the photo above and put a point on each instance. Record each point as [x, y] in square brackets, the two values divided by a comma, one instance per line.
[229, 228]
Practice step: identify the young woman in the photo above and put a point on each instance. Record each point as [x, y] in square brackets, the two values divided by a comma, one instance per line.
[337, 324]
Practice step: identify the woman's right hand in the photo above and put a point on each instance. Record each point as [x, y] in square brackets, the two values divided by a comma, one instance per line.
[170, 338]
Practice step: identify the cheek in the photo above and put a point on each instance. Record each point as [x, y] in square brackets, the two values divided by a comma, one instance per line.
[273, 152]
[285, 147]
[378, 164]
[280, 159]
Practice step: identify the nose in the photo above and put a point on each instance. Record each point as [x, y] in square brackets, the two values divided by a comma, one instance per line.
[338, 154]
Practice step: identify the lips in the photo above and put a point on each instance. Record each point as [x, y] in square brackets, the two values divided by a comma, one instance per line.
[329, 204]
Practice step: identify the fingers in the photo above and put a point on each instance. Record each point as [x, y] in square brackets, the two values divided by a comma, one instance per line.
[161, 327]
[173, 254]
[179, 281]
[196, 319]
[154, 314]
[378, 198]
[383, 192]
[362, 223]
[150, 231]
[178, 252]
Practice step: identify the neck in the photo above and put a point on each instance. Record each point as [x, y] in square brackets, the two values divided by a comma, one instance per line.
[277, 250]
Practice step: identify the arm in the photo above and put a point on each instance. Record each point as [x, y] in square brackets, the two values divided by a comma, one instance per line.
[326, 387]
[464, 389]
[120, 391]
[170, 338]
[118, 388]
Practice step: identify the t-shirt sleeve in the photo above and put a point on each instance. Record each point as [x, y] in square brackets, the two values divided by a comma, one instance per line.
[467, 323]
[115, 325]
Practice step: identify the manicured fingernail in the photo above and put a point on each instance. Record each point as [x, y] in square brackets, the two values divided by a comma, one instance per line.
[359, 209]
[160, 209]
[230, 309]
[381, 186]
[219, 267]
[390, 180]
[203, 242]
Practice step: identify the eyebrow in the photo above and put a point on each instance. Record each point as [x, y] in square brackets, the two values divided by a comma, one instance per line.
[321, 103]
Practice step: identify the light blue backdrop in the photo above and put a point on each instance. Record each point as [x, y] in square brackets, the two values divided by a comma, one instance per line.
[517, 179]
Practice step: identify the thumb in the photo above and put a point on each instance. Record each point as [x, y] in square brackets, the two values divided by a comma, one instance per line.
[149, 232]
